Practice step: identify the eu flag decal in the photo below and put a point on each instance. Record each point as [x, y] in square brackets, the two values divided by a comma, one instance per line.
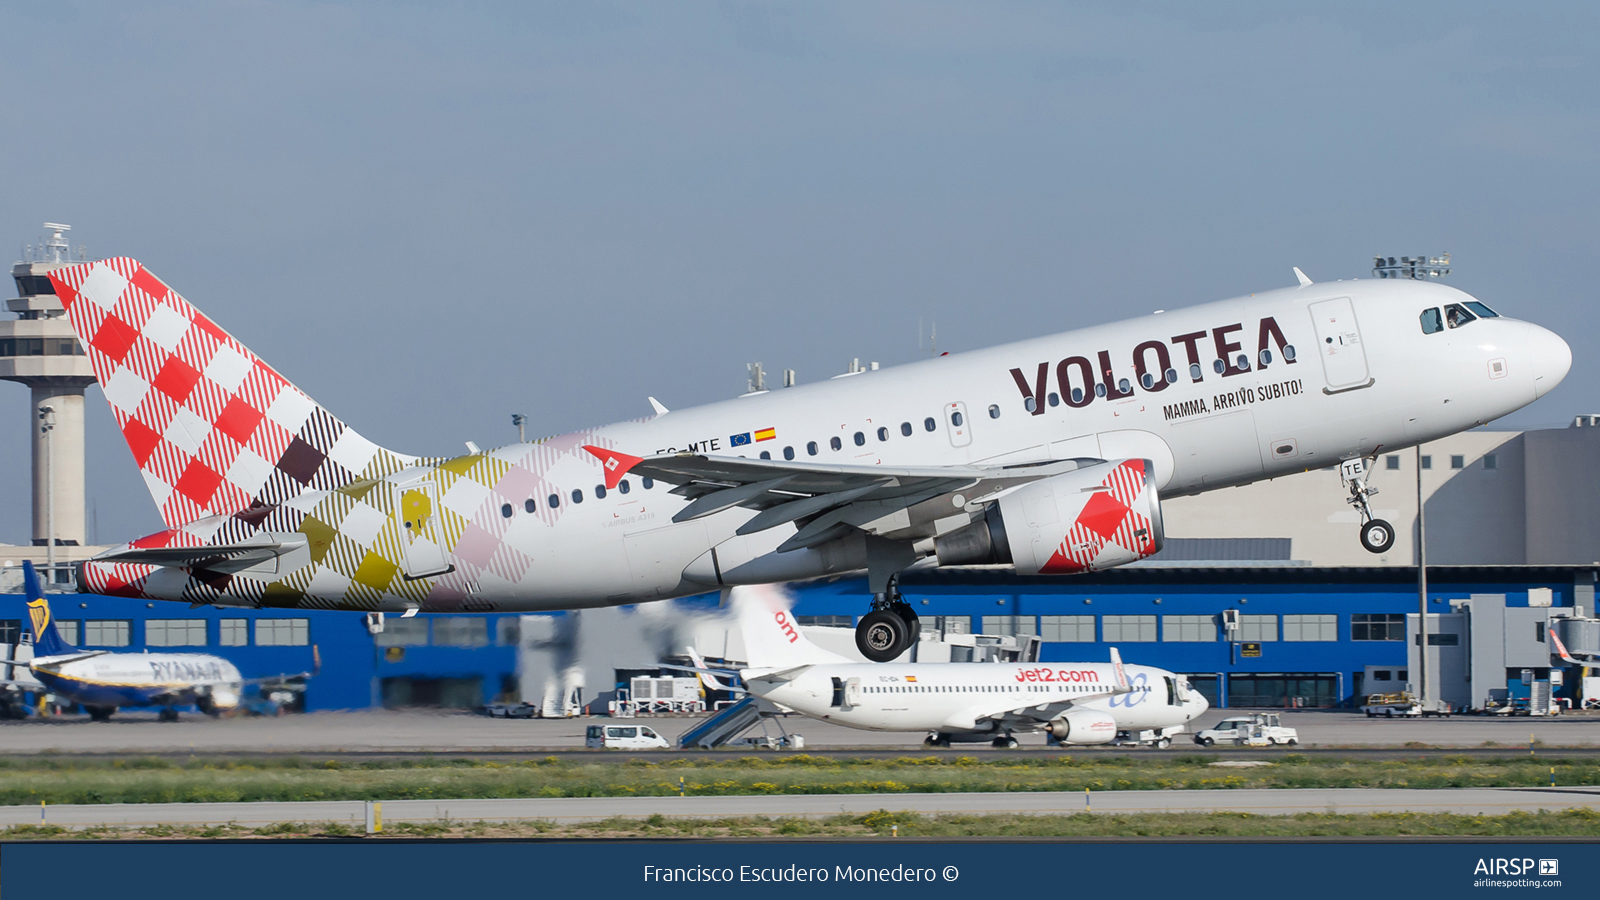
[739, 440]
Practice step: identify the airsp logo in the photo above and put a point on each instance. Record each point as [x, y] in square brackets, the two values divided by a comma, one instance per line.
[1502, 866]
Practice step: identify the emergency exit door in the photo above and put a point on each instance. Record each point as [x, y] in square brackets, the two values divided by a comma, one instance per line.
[1344, 359]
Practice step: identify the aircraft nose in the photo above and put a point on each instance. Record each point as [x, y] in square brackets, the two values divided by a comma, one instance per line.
[1551, 358]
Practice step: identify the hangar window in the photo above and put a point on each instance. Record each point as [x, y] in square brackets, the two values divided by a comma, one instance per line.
[105, 632]
[1457, 461]
[623, 486]
[1310, 627]
[860, 439]
[1392, 463]
[461, 631]
[1490, 461]
[175, 632]
[68, 629]
[530, 505]
[1067, 629]
[577, 496]
[788, 453]
[1258, 628]
[1456, 315]
[811, 448]
[600, 492]
[397, 632]
[929, 424]
[1427, 462]
[1188, 628]
[905, 429]
[835, 443]
[233, 632]
[283, 632]
[883, 434]
[1128, 628]
[554, 500]
[1377, 627]
[505, 510]
[1009, 625]
[1432, 322]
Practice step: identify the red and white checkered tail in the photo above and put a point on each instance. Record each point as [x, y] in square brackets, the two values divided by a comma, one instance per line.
[213, 428]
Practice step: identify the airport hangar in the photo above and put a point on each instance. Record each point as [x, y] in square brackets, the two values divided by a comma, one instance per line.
[1513, 527]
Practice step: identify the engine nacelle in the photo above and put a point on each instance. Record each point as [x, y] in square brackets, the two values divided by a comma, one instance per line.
[1097, 517]
[1083, 726]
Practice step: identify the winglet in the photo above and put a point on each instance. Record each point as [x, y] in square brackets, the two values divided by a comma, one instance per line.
[1116, 668]
[616, 464]
[1302, 276]
[656, 405]
[1561, 649]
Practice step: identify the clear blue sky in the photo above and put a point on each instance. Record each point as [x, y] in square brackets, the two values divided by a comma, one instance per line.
[430, 216]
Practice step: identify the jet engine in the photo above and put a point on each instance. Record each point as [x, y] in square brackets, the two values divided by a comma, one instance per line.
[1102, 515]
[1083, 726]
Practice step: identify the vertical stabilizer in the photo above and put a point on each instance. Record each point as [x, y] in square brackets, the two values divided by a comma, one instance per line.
[772, 640]
[214, 429]
[46, 639]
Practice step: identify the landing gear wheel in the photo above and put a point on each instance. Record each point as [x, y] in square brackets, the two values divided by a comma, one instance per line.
[1164, 744]
[882, 635]
[1377, 536]
[100, 713]
[1004, 743]
[904, 611]
[941, 741]
[169, 715]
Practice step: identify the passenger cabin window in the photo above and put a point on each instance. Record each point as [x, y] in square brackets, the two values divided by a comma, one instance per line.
[1456, 315]
[1077, 395]
[1148, 380]
[788, 453]
[554, 500]
[577, 496]
[529, 505]
[600, 491]
[1100, 389]
[994, 413]
[1028, 403]
[955, 419]
[766, 454]
[1054, 398]
[835, 443]
[1195, 372]
[505, 510]
[929, 424]
[860, 439]
[1432, 322]
[648, 483]
[811, 448]
[883, 434]
[1172, 376]
[623, 485]
[1266, 358]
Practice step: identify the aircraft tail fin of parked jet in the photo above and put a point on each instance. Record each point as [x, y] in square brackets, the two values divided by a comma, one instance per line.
[213, 428]
[772, 639]
[47, 641]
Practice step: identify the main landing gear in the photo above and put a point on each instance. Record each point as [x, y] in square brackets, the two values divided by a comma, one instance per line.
[891, 628]
[1377, 535]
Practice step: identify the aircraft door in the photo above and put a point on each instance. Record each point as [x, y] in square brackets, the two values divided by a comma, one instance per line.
[420, 534]
[1344, 360]
[957, 424]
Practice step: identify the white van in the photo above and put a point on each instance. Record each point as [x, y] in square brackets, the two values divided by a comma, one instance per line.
[623, 737]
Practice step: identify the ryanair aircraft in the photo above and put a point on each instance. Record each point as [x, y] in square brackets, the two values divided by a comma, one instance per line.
[102, 681]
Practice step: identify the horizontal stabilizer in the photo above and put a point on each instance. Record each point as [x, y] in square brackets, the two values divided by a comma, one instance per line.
[254, 551]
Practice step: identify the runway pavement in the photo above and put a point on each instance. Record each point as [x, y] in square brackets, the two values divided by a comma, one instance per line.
[1472, 801]
[439, 731]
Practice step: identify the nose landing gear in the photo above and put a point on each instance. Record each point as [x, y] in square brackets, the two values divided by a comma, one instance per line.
[1377, 535]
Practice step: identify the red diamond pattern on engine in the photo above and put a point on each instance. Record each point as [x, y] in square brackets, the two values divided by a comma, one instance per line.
[209, 424]
[1108, 519]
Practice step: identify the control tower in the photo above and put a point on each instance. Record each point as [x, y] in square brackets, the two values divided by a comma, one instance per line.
[40, 350]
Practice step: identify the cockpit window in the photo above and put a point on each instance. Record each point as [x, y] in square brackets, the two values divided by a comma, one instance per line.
[1483, 312]
[1456, 315]
[1431, 321]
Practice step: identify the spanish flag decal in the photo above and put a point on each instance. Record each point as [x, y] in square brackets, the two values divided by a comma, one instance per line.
[767, 434]
[911, 678]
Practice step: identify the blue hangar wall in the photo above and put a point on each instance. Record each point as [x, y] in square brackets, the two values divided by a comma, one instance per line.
[454, 659]
[1364, 604]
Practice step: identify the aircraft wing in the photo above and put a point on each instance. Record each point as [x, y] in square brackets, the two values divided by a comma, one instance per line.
[831, 498]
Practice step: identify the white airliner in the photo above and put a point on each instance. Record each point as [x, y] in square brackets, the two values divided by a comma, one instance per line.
[103, 681]
[1050, 454]
[1076, 702]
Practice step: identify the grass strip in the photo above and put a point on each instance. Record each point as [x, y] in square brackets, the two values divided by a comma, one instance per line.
[1564, 823]
[30, 780]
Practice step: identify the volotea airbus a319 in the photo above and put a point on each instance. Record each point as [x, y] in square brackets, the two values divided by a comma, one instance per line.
[1050, 454]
